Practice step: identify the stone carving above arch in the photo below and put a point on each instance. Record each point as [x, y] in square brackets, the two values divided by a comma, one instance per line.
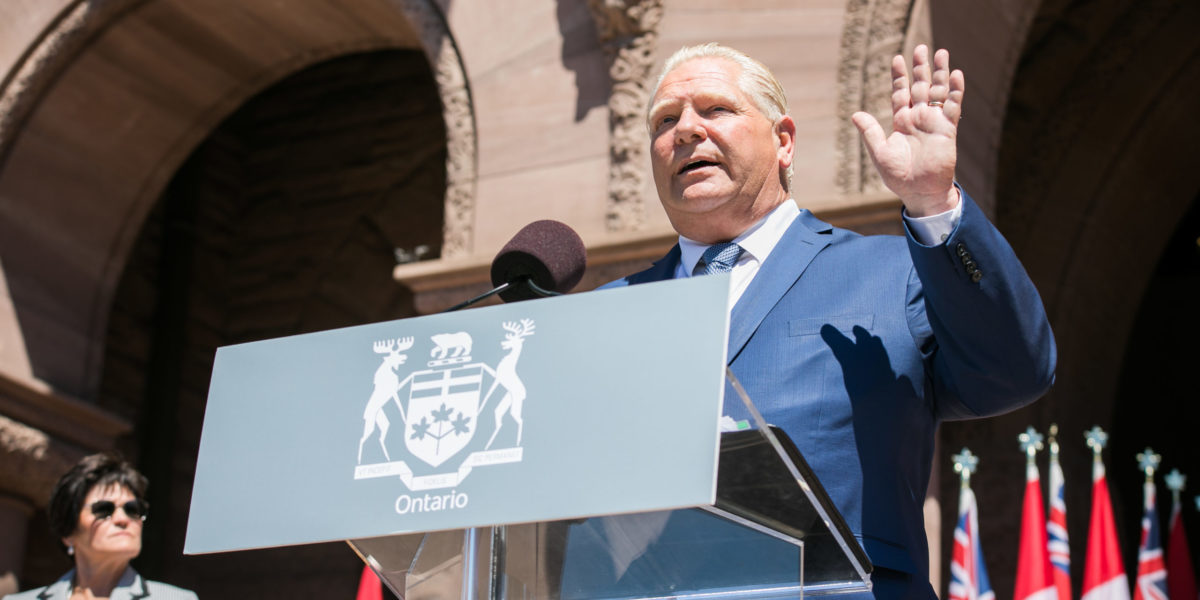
[53, 49]
[873, 31]
[628, 32]
[459, 114]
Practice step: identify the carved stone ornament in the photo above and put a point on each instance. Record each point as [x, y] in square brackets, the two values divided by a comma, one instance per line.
[873, 32]
[459, 114]
[628, 32]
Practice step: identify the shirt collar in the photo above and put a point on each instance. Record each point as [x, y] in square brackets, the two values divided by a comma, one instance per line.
[756, 242]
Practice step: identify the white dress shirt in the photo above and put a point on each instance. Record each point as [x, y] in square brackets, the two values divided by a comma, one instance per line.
[760, 239]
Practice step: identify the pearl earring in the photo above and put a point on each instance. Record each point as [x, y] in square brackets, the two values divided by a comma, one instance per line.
[70, 550]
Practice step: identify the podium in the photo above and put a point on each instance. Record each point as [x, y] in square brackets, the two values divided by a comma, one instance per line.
[602, 451]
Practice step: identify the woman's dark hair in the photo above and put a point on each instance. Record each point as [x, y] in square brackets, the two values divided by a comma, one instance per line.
[103, 469]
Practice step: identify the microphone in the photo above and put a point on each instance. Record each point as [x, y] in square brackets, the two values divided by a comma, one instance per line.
[546, 255]
[544, 258]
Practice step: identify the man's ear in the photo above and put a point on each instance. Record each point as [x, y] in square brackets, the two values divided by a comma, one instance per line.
[785, 135]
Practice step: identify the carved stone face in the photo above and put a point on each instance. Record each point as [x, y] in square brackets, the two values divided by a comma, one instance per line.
[719, 163]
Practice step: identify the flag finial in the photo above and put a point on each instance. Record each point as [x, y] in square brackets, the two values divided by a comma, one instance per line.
[1148, 462]
[1052, 440]
[1176, 481]
[1031, 442]
[965, 463]
[1096, 440]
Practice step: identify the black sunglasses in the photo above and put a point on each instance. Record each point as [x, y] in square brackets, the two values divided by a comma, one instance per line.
[134, 509]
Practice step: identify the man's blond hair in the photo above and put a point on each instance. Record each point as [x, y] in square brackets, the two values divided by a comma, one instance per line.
[754, 78]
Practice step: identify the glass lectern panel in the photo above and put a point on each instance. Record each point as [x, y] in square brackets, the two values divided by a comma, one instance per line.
[772, 533]
[768, 535]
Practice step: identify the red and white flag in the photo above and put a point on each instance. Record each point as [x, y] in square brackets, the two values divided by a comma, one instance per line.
[1152, 569]
[1181, 580]
[1035, 577]
[369, 586]
[1056, 530]
[1103, 571]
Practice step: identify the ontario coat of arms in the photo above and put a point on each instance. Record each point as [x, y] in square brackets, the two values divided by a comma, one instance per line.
[440, 414]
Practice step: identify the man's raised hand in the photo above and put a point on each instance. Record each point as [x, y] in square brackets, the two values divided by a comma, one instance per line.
[917, 160]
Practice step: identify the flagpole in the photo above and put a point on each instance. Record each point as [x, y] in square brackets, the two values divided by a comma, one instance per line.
[1058, 543]
[1151, 581]
[968, 574]
[1035, 580]
[1103, 571]
[1181, 581]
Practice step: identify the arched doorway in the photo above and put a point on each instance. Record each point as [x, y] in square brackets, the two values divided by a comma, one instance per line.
[123, 265]
[286, 220]
[1094, 176]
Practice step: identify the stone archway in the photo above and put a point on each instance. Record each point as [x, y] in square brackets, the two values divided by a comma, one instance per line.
[111, 99]
[286, 220]
[97, 113]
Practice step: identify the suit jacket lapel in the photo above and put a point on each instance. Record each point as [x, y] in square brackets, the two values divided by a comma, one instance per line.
[664, 268]
[806, 237]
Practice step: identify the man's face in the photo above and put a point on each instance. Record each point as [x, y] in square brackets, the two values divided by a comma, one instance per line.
[718, 162]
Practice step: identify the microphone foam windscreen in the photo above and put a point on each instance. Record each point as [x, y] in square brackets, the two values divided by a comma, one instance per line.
[547, 252]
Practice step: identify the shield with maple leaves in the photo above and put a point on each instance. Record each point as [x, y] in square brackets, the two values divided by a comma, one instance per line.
[442, 408]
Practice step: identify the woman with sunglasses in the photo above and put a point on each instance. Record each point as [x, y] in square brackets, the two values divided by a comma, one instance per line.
[96, 511]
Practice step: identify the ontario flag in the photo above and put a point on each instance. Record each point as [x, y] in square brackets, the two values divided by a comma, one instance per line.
[968, 574]
[1152, 569]
[1181, 581]
[1056, 530]
[1035, 577]
[1103, 572]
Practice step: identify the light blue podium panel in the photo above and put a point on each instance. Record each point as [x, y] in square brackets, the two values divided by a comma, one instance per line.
[558, 448]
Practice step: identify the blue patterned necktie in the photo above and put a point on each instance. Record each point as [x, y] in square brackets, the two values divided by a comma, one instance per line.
[718, 258]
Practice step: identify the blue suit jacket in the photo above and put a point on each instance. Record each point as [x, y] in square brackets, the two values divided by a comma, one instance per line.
[859, 346]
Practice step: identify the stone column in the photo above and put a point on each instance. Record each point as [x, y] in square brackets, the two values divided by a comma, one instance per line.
[14, 526]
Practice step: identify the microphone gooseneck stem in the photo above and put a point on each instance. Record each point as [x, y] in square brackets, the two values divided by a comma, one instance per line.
[483, 296]
[537, 289]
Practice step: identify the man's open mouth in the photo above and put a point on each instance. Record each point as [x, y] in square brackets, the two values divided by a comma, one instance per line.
[696, 164]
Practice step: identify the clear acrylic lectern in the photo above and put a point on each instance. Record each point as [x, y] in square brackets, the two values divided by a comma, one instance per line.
[772, 533]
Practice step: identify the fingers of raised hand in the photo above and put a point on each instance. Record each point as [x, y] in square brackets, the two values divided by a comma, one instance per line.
[901, 97]
[939, 88]
[922, 75]
[954, 97]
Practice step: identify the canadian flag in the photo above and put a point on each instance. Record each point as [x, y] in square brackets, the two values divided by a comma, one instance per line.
[369, 586]
[1035, 577]
[1103, 572]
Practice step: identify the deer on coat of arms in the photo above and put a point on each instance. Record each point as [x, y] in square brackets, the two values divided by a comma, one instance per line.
[506, 375]
[387, 386]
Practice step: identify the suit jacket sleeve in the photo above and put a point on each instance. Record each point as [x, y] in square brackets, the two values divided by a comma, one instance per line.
[979, 322]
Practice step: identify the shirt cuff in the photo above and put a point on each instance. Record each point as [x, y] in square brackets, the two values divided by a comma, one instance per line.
[934, 229]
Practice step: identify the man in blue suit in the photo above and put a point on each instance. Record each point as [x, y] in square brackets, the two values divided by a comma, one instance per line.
[857, 347]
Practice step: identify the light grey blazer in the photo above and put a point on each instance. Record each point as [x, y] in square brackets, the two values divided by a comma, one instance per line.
[131, 587]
